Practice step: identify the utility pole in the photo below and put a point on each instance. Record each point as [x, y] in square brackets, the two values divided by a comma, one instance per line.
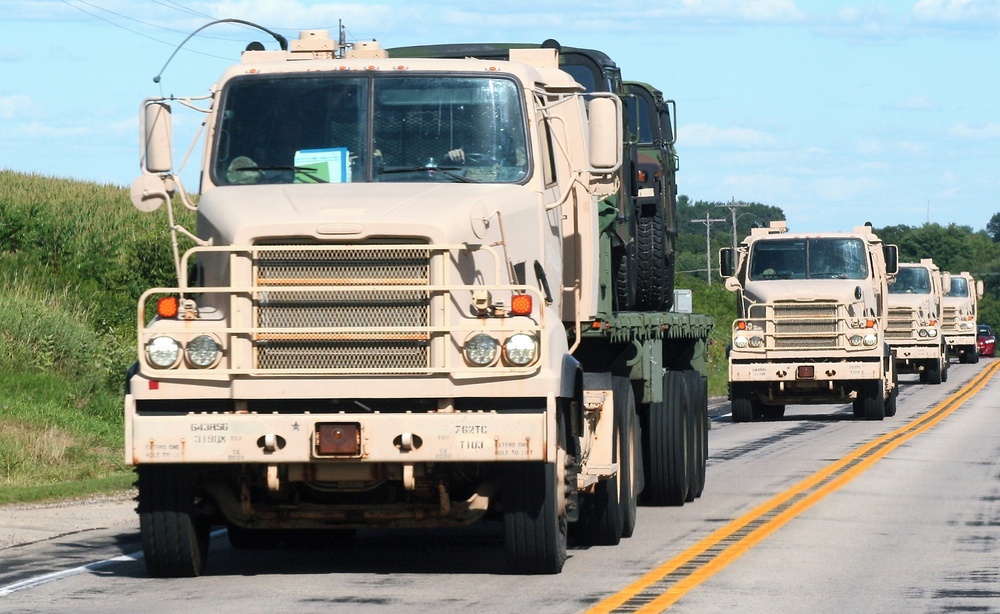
[733, 206]
[708, 243]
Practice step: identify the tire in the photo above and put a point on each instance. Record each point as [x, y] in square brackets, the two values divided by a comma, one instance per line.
[174, 539]
[974, 356]
[697, 397]
[625, 279]
[651, 265]
[630, 447]
[534, 510]
[665, 445]
[742, 406]
[944, 371]
[933, 371]
[870, 404]
[890, 403]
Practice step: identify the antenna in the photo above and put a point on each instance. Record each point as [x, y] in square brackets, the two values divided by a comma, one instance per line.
[282, 41]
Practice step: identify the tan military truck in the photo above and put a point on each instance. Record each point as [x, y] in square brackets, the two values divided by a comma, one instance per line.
[959, 325]
[398, 311]
[810, 322]
[914, 330]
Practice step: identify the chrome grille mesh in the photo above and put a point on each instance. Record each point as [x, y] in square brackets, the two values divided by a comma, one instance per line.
[806, 325]
[367, 325]
[902, 323]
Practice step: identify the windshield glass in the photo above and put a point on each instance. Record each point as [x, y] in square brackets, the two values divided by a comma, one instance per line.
[840, 258]
[331, 128]
[911, 280]
[959, 287]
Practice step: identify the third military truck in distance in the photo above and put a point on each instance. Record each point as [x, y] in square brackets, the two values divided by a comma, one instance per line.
[810, 322]
[959, 324]
[914, 330]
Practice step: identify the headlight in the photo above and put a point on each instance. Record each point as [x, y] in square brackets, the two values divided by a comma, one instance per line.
[855, 340]
[481, 350]
[756, 342]
[870, 339]
[932, 333]
[163, 352]
[202, 351]
[520, 349]
[922, 332]
[740, 342]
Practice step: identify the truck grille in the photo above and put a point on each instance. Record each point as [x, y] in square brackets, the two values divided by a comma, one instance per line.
[806, 325]
[371, 324]
[949, 322]
[902, 323]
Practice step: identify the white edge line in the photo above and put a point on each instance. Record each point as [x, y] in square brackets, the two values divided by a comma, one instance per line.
[58, 575]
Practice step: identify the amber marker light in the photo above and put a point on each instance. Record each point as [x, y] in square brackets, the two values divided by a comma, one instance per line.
[869, 323]
[167, 307]
[520, 304]
[741, 325]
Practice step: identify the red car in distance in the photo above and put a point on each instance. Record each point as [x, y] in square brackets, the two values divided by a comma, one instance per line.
[986, 341]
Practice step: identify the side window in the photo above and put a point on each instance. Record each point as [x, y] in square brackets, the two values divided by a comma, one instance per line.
[547, 160]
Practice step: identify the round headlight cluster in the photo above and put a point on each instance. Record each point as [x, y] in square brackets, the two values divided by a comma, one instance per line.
[202, 351]
[483, 350]
[520, 350]
[164, 352]
[855, 340]
[928, 332]
[742, 341]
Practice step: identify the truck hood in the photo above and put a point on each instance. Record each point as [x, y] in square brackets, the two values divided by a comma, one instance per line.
[844, 291]
[437, 212]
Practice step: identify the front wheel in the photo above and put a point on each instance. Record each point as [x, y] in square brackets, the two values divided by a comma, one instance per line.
[174, 539]
[870, 402]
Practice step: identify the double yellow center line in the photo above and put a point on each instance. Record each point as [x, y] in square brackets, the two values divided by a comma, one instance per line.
[661, 587]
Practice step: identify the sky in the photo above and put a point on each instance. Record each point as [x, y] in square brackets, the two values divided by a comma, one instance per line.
[838, 112]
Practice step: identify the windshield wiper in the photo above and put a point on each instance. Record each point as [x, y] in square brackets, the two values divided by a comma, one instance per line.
[306, 171]
[447, 171]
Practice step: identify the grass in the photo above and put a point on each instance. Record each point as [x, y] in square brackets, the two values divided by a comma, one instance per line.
[74, 258]
[719, 303]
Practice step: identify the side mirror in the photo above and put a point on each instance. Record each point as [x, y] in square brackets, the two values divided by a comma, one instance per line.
[980, 288]
[727, 262]
[891, 253]
[156, 137]
[605, 134]
[946, 283]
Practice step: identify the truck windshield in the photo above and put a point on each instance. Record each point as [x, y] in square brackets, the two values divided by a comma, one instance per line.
[331, 128]
[911, 280]
[959, 287]
[833, 258]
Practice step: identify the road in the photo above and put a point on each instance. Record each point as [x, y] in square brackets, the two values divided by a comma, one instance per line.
[817, 512]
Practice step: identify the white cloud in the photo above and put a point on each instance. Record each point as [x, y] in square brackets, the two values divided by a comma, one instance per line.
[12, 107]
[41, 130]
[917, 103]
[743, 10]
[976, 133]
[972, 12]
[700, 135]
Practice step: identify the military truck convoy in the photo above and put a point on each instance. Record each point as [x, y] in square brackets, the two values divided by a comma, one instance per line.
[810, 328]
[422, 292]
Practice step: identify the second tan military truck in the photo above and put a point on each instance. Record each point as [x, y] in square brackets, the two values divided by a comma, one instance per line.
[810, 322]
[914, 330]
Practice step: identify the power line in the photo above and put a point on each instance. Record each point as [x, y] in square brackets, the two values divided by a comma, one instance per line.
[708, 243]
